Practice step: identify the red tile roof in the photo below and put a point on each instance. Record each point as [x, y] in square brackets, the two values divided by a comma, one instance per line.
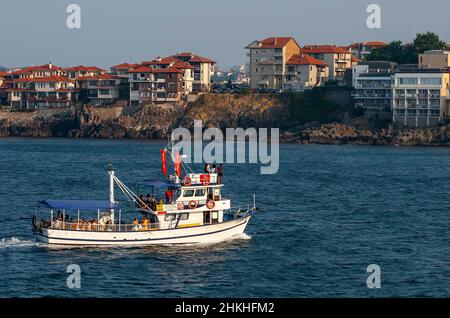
[304, 59]
[355, 59]
[141, 69]
[82, 68]
[375, 43]
[194, 57]
[124, 66]
[323, 49]
[2, 74]
[39, 68]
[275, 42]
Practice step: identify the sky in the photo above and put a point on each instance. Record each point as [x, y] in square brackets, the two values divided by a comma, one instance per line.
[35, 32]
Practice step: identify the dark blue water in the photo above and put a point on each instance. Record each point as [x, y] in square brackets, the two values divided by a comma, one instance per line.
[329, 213]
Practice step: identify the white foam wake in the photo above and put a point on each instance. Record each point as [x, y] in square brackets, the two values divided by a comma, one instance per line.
[16, 242]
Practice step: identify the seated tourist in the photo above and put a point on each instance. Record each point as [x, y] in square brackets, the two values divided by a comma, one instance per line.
[144, 223]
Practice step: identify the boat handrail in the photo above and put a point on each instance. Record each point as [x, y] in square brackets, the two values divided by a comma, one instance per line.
[75, 226]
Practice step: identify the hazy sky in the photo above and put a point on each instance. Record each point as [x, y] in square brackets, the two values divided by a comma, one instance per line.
[112, 32]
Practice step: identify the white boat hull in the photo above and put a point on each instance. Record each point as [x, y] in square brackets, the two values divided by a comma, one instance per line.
[199, 234]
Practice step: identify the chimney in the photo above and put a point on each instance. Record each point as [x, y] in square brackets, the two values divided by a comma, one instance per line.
[50, 65]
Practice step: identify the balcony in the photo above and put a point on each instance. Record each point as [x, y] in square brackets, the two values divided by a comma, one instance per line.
[160, 80]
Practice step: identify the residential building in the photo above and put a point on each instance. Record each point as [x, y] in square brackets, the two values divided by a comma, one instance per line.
[45, 70]
[268, 59]
[372, 84]
[82, 71]
[121, 71]
[187, 70]
[150, 84]
[98, 90]
[363, 49]
[419, 96]
[338, 59]
[434, 59]
[202, 70]
[3, 88]
[303, 72]
[42, 92]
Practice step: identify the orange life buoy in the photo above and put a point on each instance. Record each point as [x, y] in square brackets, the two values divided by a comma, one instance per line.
[192, 204]
[187, 181]
[210, 204]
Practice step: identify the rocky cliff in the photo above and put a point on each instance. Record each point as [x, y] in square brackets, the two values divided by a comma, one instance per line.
[224, 110]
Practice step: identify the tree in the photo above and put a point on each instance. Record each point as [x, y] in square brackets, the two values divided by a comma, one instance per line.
[408, 53]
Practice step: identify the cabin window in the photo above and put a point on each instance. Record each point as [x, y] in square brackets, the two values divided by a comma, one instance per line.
[169, 217]
[184, 216]
[200, 192]
[188, 193]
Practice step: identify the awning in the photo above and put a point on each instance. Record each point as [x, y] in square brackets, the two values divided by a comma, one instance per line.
[79, 204]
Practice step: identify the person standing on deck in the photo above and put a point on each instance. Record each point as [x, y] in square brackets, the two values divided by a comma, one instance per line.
[220, 173]
[169, 195]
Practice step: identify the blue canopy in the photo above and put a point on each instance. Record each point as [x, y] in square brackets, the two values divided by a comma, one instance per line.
[79, 204]
[159, 184]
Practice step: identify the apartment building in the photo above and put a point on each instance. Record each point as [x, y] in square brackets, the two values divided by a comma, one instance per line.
[268, 59]
[338, 59]
[45, 70]
[42, 92]
[304, 72]
[98, 90]
[202, 69]
[188, 72]
[121, 71]
[2, 77]
[434, 59]
[372, 84]
[82, 71]
[3, 88]
[362, 50]
[420, 96]
[150, 85]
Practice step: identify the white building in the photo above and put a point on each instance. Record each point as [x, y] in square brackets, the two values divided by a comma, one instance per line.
[419, 97]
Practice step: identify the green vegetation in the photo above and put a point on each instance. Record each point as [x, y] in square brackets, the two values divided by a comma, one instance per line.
[407, 53]
[312, 106]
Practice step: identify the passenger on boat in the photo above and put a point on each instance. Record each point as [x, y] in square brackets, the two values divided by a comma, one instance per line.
[144, 223]
[220, 173]
[214, 168]
[207, 168]
[136, 225]
[59, 216]
[57, 224]
[169, 195]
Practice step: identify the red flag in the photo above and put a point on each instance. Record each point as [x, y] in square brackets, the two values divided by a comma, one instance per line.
[178, 164]
[164, 161]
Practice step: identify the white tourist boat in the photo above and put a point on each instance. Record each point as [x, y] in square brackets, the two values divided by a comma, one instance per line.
[196, 212]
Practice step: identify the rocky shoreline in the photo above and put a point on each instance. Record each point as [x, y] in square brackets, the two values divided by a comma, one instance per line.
[156, 122]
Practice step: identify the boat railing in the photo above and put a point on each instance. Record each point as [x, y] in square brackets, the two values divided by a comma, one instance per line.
[87, 227]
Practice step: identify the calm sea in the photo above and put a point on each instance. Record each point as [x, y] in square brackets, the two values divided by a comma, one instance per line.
[329, 213]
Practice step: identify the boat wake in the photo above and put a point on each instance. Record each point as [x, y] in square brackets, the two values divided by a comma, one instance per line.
[14, 242]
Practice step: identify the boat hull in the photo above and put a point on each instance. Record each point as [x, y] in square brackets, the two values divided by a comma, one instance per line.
[199, 234]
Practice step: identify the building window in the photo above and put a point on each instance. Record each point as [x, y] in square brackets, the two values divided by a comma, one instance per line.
[408, 80]
[430, 81]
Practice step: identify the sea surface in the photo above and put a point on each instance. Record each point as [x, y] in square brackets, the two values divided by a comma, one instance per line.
[326, 215]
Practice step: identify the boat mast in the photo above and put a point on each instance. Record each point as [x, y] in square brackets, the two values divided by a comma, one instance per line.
[111, 189]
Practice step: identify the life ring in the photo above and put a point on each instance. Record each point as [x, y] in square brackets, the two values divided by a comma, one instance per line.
[192, 204]
[187, 181]
[210, 204]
